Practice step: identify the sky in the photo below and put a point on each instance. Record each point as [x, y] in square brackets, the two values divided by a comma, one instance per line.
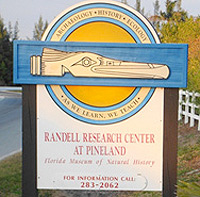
[27, 12]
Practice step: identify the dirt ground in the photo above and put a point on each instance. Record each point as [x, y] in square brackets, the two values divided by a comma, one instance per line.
[188, 135]
[189, 153]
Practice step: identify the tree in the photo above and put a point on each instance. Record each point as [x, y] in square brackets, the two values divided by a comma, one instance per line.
[10, 31]
[156, 19]
[39, 29]
[124, 1]
[170, 9]
[156, 8]
[186, 32]
[179, 2]
[138, 6]
[13, 32]
[175, 27]
[171, 14]
[6, 54]
[16, 31]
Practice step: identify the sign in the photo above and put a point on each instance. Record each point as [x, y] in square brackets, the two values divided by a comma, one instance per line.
[95, 64]
[73, 154]
[100, 102]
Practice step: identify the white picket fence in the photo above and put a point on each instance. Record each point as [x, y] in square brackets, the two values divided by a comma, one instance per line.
[188, 110]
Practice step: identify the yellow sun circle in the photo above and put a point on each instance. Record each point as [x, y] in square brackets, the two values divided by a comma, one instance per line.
[100, 96]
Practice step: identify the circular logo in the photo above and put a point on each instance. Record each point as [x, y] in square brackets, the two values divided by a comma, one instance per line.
[98, 21]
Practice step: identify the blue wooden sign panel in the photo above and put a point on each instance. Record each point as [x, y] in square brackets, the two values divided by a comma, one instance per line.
[100, 64]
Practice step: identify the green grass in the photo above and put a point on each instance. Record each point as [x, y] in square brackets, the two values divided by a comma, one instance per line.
[17, 91]
[188, 189]
[188, 172]
[10, 176]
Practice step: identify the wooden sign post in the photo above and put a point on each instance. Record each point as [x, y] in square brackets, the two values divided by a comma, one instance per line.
[100, 100]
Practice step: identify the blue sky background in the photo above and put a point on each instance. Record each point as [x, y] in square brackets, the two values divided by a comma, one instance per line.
[27, 12]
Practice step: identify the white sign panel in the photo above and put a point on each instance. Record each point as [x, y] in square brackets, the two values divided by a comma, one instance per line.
[121, 156]
[97, 137]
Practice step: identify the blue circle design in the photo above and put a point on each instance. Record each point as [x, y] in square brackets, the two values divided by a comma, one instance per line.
[122, 25]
